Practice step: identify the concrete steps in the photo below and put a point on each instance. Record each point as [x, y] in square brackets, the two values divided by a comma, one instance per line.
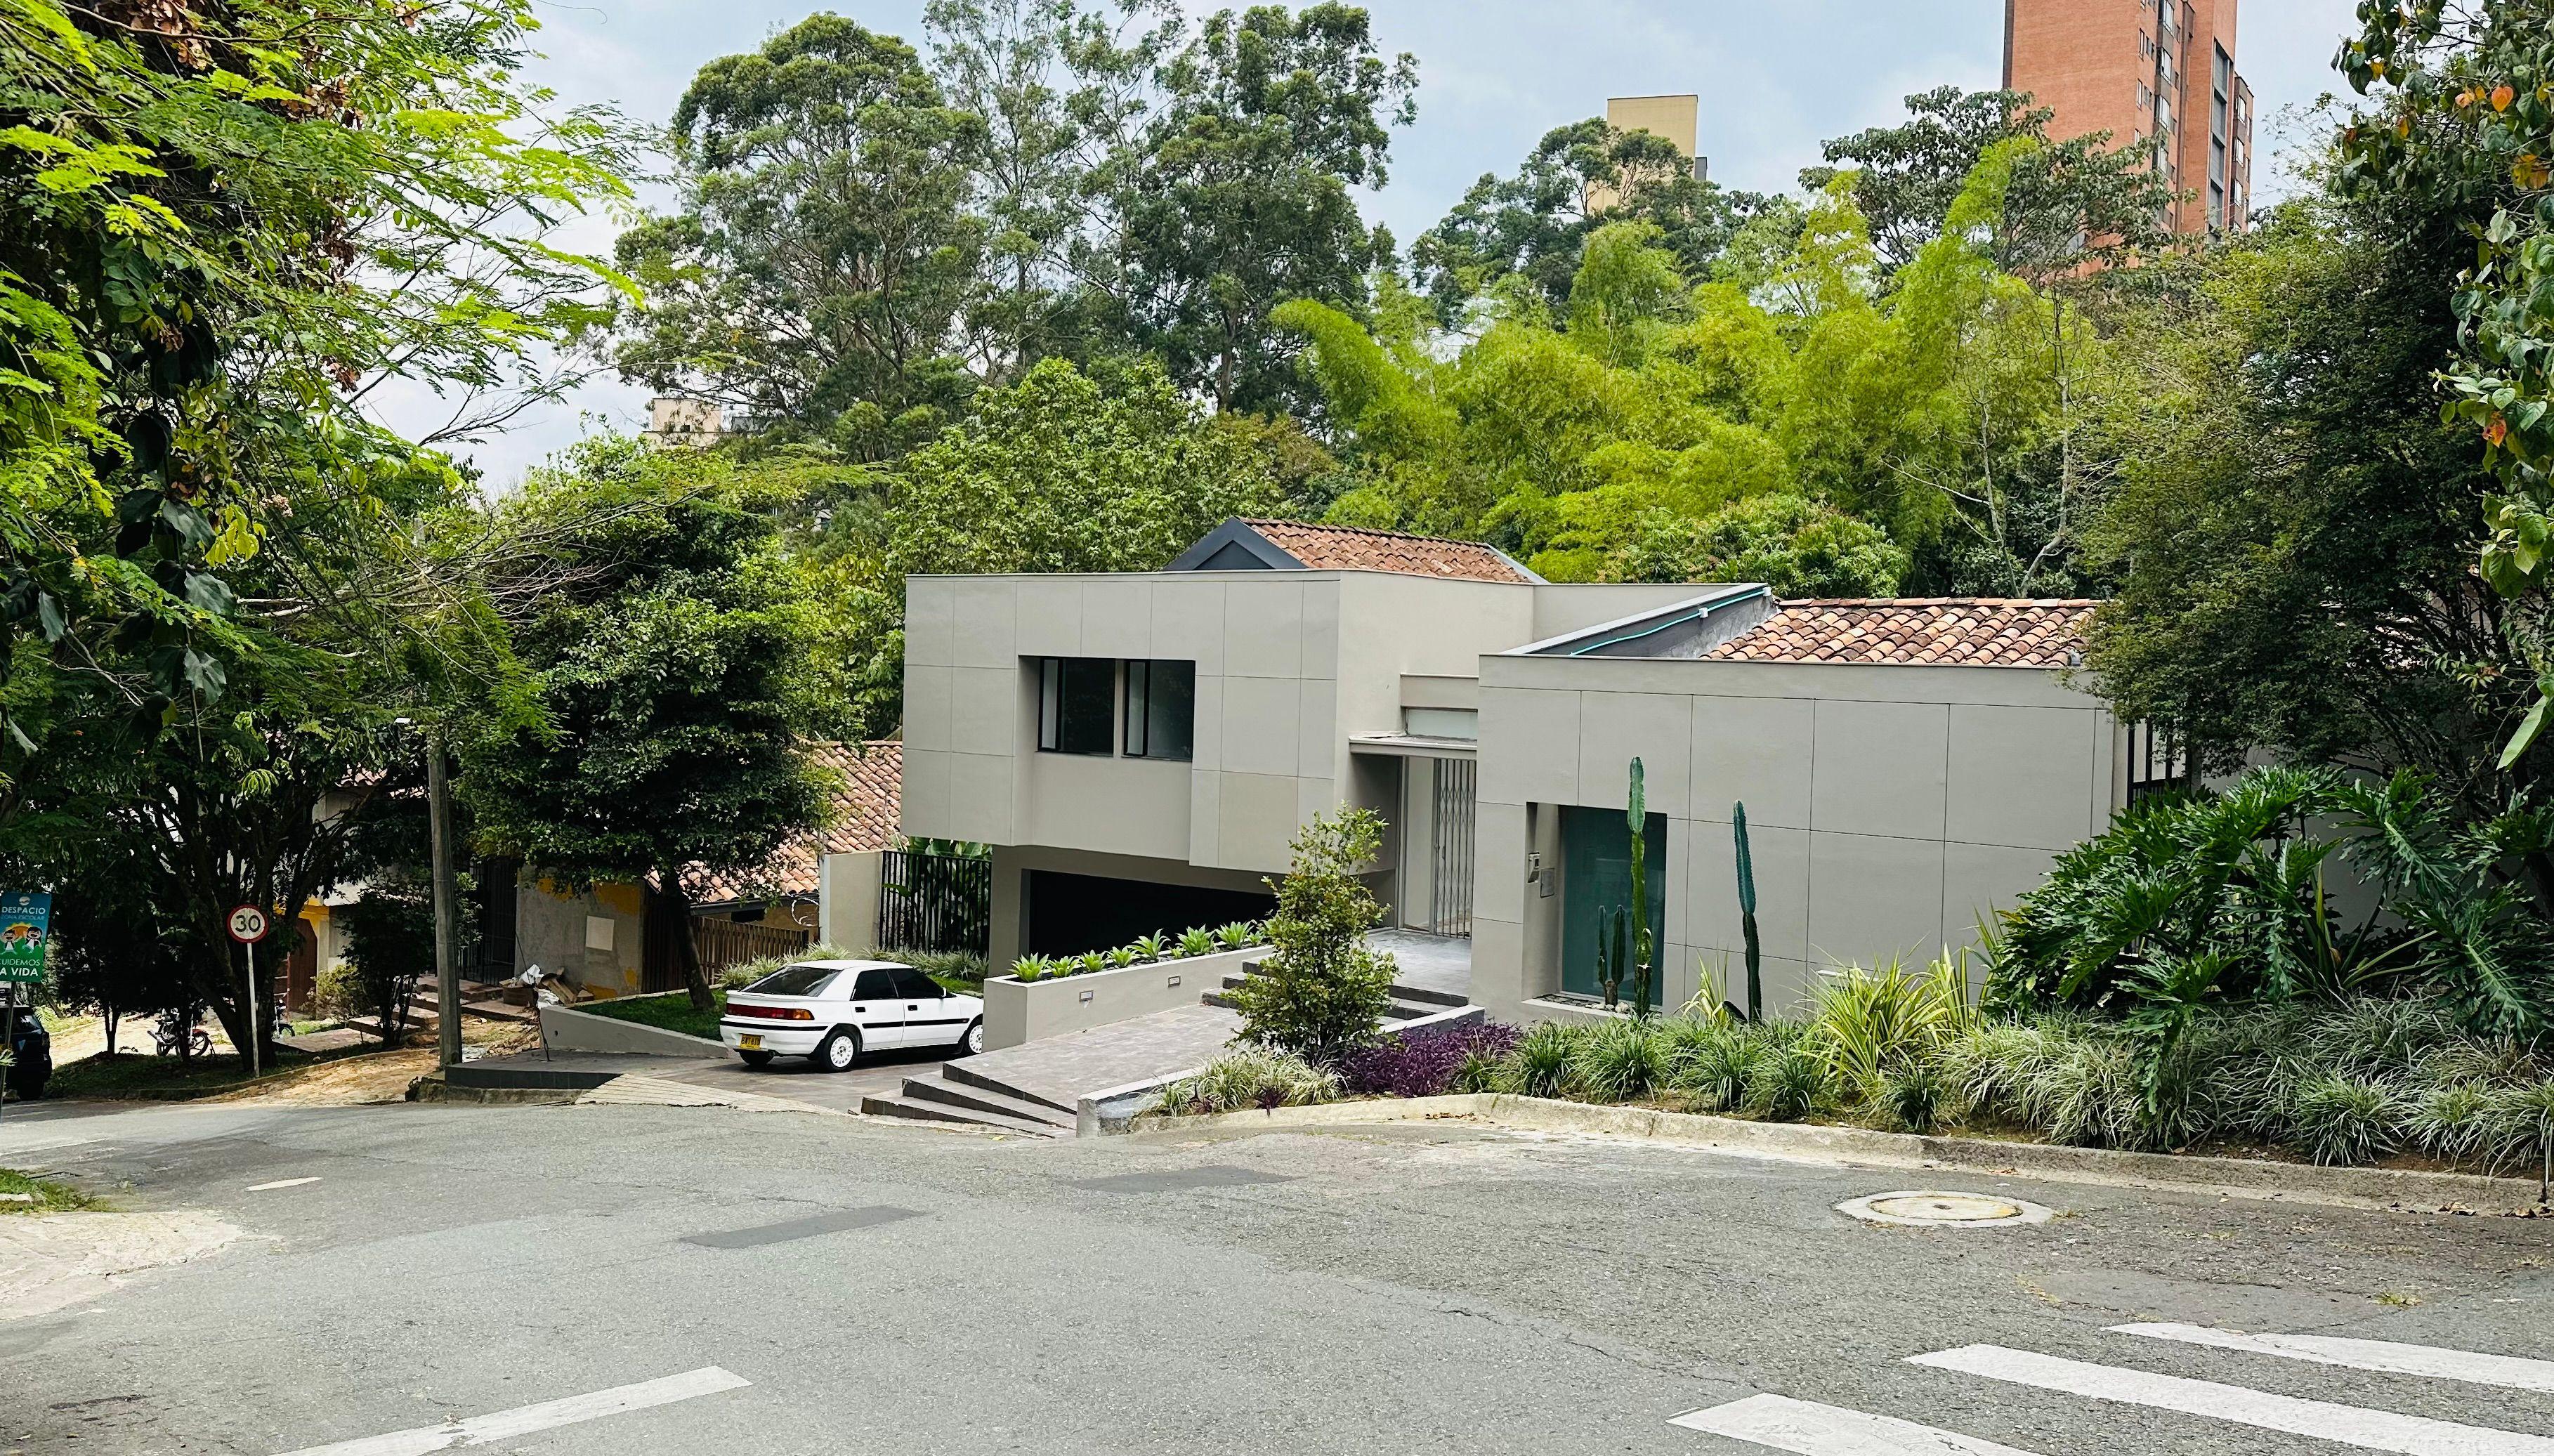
[1409, 1003]
[939, 1099]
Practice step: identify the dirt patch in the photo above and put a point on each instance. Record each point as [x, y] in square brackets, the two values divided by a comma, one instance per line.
[377, 1077]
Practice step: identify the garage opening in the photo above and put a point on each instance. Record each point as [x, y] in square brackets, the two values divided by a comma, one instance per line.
[1071, 914]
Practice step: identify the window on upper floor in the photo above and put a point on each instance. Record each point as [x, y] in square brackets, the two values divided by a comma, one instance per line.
[1077, 705]
[1161, 708]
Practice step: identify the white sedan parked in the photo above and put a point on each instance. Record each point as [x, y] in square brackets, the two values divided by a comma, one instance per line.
[831, 1011]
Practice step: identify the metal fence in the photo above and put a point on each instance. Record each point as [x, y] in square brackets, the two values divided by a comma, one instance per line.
[935, 902]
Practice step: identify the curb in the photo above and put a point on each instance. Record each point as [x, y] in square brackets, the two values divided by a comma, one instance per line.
[2232, 1177]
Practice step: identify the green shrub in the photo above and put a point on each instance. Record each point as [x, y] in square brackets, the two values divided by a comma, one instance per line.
[338, 991]
[1323, 990]
[1789, 1082]
[2452, 1120]
[2092, 1095]
[1481, 1071]
[1916, 1094]
[1870, 1021]
[1621, 1061]
[965, 968]
[1196, 942]
[1238, 934]
[1149, 948]
[1714, 1063]
[1542, 1061]
[2344, 1121]
[1250, 1077]
[2522, 1126]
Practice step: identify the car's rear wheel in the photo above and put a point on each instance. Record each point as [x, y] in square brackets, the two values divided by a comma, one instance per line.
[838, 1051]
[974, 1042]
[756, 1058]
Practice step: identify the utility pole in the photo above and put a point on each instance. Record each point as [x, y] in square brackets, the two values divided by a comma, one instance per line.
[447, 949]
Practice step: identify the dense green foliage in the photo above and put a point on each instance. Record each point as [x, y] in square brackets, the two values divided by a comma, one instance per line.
[2223, 898]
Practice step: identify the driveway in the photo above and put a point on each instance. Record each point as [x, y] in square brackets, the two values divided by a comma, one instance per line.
[792, 1078]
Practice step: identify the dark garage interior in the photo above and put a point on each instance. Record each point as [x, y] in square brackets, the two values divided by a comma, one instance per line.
[1071, 914]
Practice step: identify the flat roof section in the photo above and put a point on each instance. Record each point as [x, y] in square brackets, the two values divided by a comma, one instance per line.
[1688, 628]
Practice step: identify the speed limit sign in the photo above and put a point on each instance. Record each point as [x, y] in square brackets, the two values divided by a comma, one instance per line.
[248, 925]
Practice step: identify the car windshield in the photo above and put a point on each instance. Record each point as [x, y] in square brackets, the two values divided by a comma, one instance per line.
[795, 980]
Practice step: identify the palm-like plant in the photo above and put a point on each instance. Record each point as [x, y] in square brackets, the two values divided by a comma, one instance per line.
[1149, 948]
[1196, 942]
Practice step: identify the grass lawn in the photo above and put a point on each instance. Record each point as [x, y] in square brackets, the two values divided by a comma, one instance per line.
[673, 1012]
[50, 1196]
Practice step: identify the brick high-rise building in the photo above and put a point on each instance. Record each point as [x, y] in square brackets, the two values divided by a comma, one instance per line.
[2158, 75]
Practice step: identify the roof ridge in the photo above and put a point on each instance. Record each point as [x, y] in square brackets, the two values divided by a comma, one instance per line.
[1888, 602]
[1363, 530]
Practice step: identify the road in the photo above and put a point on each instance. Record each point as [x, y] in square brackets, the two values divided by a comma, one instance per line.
[654, 1279]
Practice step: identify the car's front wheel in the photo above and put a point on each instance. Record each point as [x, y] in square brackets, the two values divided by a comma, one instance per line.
[974, 1042]
[756, 1058]
[838, 1051]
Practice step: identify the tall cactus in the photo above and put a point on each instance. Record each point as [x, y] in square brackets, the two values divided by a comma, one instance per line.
[1747, 911]
[1644, 944]
[1609, 953]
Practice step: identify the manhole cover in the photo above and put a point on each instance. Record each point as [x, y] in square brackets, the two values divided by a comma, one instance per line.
[1927, 1209]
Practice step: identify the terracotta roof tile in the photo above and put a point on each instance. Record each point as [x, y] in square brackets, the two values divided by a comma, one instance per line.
[865, 817]
[1939, 631]
[1349, 548]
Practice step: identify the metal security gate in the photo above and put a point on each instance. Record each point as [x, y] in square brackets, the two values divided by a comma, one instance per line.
[935, 902]
[1450, 891]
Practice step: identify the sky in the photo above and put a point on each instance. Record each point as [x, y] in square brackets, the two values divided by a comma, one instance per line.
[1775, 76]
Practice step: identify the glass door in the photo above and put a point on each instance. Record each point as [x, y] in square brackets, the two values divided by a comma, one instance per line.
[1596, 876]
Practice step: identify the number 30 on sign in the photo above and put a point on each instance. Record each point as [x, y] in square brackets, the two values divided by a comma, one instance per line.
[248, 925]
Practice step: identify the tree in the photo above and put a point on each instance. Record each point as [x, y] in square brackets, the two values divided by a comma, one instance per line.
[1322, 992]
[2077, 200]
[1577, 178]
[672, 657]
[1238, 197]
[1797, 547]
[389, 943]
[2466, 132]
[1060, 92]
[1070, 471]
[824, 250]
[2292, 534]
[220, 231]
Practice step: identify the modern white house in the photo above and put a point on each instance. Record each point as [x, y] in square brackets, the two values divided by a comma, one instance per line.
[1139, 748]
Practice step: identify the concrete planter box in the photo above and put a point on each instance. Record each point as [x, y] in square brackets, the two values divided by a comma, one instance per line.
[1017, 1011]
[565, 1030]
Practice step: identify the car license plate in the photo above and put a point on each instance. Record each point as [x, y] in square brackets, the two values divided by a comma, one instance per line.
[749, 1042]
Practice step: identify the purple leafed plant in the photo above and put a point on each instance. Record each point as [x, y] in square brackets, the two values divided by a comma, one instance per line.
[1423, 1062]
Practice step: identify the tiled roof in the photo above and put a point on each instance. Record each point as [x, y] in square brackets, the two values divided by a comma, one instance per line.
[864, 817]
[1348, 548]
[1940, 631]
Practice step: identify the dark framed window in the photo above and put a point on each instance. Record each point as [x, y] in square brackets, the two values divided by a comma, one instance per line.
[1077, 705]
[1161, 708]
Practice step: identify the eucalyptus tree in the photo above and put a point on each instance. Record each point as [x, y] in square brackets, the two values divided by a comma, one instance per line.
[824, 246]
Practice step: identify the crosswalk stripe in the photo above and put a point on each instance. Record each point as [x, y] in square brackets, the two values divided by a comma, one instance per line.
[2382, 1356]
[2350, 1426]
[1808, 1428]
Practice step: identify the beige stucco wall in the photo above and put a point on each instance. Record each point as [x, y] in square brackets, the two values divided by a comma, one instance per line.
[551, 931]
[1888, 807]
[1281, 687]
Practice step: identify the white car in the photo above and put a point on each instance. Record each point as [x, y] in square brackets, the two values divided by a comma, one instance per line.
[831, 1011]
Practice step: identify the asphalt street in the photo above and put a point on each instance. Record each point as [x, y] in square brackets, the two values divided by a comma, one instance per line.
[591, 1280]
